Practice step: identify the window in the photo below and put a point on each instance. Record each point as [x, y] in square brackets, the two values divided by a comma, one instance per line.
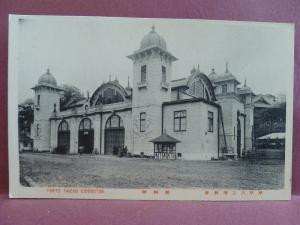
[38, 100]
[224, 88]
[54, 108]
[164, 76]
[243, 99]
[85, 124]
[142, 122]
[180, 120]
[193, 91]
[143, 73]
[37, 130]
[210, 122]
[114, 121]
[199, 89]
[63, 126]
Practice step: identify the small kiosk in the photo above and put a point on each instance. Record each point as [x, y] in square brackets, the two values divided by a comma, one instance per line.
[165, 147]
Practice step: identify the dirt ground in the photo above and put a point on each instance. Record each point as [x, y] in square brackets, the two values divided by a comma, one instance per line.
[112, 172]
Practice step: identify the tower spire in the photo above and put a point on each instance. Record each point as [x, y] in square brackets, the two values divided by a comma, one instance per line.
[226, 67]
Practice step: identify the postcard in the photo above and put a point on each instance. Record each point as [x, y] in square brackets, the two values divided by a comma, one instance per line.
[149, 109]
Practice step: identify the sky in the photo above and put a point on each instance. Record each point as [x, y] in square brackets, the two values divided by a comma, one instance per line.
[84, 51]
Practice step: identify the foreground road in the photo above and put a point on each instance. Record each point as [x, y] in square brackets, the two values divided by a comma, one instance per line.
[112, 172]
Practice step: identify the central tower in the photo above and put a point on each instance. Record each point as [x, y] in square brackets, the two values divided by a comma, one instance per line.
[152, 69]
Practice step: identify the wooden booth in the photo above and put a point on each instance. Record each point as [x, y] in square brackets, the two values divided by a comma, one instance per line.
[165, 147]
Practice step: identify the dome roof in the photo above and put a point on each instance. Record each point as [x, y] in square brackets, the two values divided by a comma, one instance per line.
[213, 75]
[227, 76]
[153, 39]
[47, 79]
[245, 89]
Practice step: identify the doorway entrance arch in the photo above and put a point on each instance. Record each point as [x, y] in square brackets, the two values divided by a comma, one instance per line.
[114, 135]
[86, 136]
[63, 138]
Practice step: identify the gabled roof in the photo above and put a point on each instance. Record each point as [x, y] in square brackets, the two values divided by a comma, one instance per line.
[165, 138]
[269, 99]
[226, 77]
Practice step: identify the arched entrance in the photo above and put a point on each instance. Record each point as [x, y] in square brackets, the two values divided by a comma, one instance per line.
[63, 138]
[86, 136]
[114, 135]
[239, 138]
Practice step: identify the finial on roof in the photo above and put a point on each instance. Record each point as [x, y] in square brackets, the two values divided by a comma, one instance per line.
[198, 68]
[213, 69]
[153, 29]
[193, 70]
[87, 95]
[128, 82]
[48, 70]
[226, 67]
[245, 82]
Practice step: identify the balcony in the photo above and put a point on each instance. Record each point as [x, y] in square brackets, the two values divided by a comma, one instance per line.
[143, 84]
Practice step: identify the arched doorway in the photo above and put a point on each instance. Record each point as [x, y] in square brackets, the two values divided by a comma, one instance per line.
[63, 138]
[239, 138]
[114, 135]
[86, 136]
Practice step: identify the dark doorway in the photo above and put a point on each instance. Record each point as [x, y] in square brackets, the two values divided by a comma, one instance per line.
[86, 136]
[239, 138]
[63, 138]
[114, 135]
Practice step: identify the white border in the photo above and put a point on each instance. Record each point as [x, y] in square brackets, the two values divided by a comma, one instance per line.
[18, 191]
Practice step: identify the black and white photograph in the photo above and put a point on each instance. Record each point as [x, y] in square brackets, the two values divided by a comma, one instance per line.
[140, 108]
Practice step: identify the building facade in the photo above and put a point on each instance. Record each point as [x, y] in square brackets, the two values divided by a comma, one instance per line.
[208, 115]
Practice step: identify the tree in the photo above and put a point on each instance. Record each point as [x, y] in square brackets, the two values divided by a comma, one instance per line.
[25, 117]
[70, 93]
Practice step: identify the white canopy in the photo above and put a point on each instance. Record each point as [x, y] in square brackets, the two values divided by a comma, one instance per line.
[273, 136]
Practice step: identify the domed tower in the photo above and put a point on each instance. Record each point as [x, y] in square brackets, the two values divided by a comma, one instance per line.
[213, 75]
[46, 103]
[152, 69]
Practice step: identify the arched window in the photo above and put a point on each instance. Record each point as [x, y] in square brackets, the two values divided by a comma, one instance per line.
[86, 124]
[114, 121]
[109, 96]
[197, 89]
[63, 126]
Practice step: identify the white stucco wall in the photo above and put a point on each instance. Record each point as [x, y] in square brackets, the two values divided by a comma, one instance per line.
[42, 113]
[196, 142]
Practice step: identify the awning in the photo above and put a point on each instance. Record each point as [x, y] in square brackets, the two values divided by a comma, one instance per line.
[273, 136]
